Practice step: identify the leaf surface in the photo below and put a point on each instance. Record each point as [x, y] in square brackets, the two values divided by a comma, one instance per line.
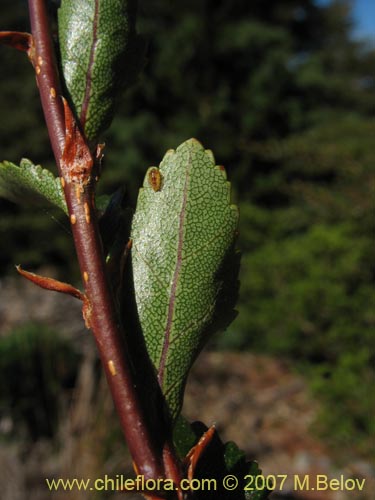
[183, 239]
[100, 53]
[30, 184]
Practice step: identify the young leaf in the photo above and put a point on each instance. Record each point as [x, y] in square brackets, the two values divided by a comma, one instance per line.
[100, 53]
[217, 461]
[183, 246]
[30, 184]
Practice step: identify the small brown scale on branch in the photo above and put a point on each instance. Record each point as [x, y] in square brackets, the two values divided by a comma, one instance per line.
[112, 367]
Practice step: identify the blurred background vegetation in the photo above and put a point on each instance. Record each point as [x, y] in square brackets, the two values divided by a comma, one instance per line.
[285, 97]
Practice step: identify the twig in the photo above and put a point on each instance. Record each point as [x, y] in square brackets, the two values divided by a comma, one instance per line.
[75, 165]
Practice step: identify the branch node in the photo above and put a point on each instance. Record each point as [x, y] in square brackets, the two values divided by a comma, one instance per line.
[76, 160]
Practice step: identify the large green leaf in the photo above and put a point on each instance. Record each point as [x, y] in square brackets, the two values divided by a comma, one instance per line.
[30, 184]
[100, 52]
[183, 261]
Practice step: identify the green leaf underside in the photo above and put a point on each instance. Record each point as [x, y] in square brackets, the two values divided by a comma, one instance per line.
[181, 234]
[95, 38]
[30, 184]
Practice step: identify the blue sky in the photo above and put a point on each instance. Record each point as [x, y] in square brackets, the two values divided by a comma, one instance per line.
[364, 17]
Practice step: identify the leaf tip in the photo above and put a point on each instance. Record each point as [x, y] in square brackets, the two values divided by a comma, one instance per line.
[191, 143]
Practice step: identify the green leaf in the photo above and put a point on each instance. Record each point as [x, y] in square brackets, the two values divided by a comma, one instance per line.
[232, 455]
[217, 461]
[183, 249]
[30, 184]
[184, 437]
[235, 463]
[100, 53]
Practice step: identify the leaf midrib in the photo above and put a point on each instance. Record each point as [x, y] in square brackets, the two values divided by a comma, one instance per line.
[176, 275]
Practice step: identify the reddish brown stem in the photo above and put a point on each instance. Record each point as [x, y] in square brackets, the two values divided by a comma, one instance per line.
[101, 316]
[47, 75]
